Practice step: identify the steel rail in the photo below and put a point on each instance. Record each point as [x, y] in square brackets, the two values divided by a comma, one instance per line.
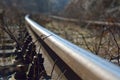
[106, 23]
[85, 64]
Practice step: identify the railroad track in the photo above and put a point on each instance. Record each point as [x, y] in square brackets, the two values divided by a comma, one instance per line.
[80, 63]
[7, 49]
[38, 54]
[18, 58]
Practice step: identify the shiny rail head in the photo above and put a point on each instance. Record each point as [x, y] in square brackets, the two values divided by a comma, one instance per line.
[85, 64]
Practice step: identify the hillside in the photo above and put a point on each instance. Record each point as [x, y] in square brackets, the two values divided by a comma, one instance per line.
[35, 6]
[93, 9]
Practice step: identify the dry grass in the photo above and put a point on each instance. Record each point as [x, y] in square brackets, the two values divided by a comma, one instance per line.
[102, 41]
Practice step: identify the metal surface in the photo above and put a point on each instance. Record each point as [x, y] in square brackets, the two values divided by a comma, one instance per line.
[85, 64]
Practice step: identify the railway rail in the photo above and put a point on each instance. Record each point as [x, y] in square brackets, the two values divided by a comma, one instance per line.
[68, 61]
[90, 22]
[78, 63]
